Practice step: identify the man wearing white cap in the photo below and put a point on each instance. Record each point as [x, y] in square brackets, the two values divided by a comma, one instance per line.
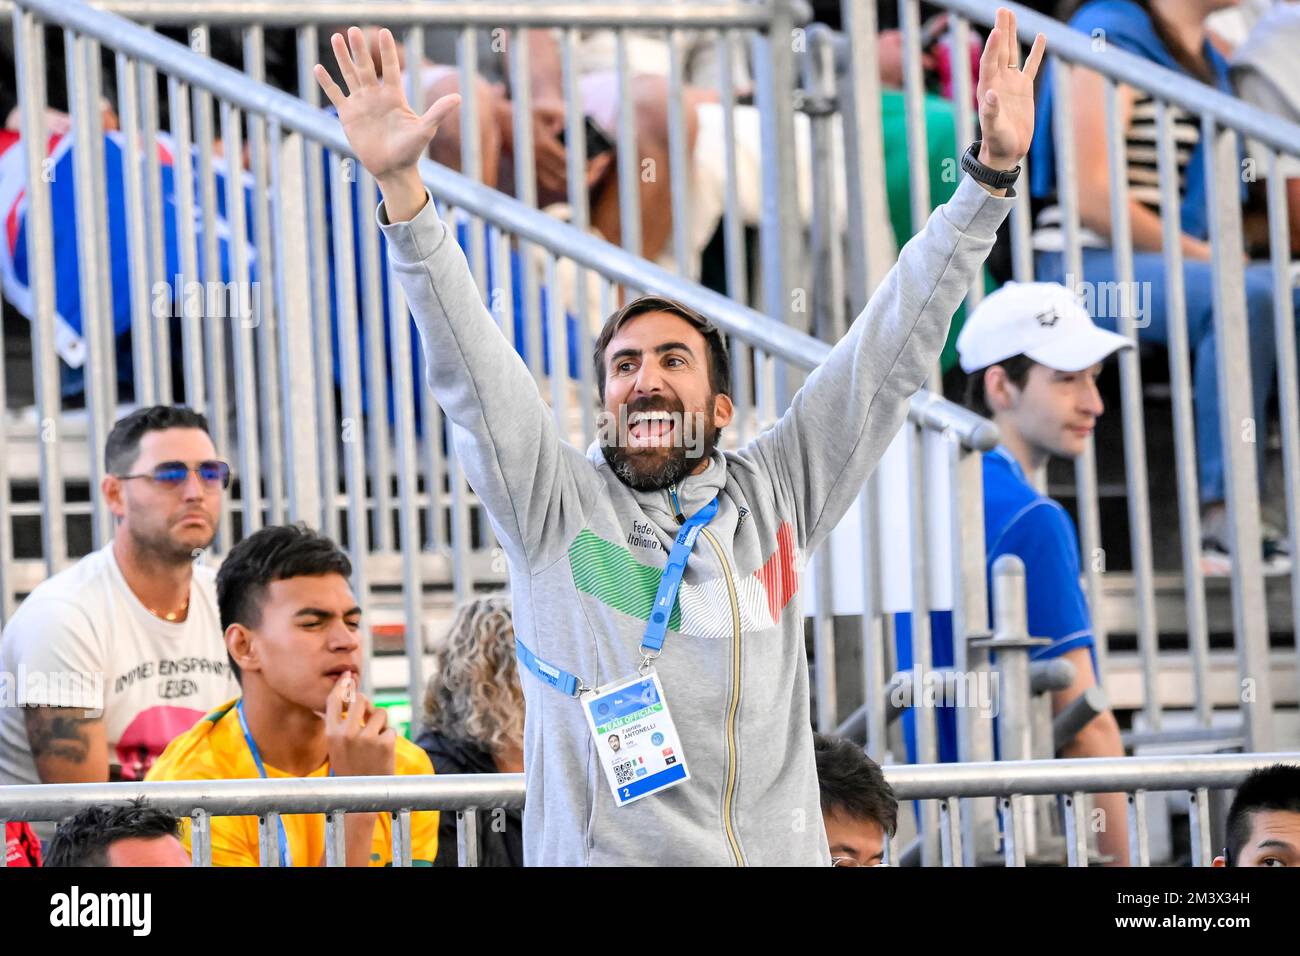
[1033, 356]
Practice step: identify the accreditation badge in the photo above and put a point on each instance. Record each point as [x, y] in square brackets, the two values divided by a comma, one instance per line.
[635, 737]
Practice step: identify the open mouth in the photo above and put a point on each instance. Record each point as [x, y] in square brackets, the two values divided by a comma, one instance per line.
[650, 429]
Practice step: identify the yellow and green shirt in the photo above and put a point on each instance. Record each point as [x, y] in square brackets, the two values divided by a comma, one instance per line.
[214, 749]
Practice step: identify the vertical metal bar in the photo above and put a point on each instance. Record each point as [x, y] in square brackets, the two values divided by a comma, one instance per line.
[462, 574]
[155, 215]
[874, 673]
[871, 250]
[1185, 438]
[1135, 443]
[471, 159]
[1198, 807]
[318, 248]
[627, 156]
[212, 335]
[1288, 387]
[926, 729]
[268, 838]
[187, 281]
[950, 826]
[90, 253]
[142, 320]
[1085, 465]
[558, 347]
[241, 333]
[918, 152]
[733, 230]
[678, 162]
[970, 616]
[353, 429]
[964, 109]
[401, 834]
[376, 366]
[433, 465]
[200, 837]
[827, 286]
[336, 841]
[291, 273]
[30, 69]
[780, 222]
[580, 217]
[1013, 830]
[399, 333]
[102, 289]
[526, 190]
[414, 43]
[1138, 850]
[1076, 829]
[467, 837]
[261, 293]
[1227, 254]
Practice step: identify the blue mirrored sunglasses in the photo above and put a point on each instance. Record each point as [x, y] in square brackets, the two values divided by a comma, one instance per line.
[178, 472]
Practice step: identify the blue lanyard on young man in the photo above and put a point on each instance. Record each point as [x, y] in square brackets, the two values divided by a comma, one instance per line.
[286, 857]
[652, 641]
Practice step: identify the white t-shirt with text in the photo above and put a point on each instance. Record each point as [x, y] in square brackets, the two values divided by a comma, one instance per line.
[83, 639]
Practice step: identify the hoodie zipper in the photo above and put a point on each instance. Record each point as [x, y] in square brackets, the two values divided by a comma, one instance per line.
[733, 706]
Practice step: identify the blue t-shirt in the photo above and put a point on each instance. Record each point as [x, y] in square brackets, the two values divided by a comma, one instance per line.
[1020, 521]
[1125, 25]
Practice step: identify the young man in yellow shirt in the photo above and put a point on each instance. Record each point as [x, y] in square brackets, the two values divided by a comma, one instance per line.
[291, 625]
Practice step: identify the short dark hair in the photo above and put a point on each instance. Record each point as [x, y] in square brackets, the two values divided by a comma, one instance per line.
[1017, 368]
[719, 358]
[83, 839]
[851, 783]
[123, 445]
[275, 553]
[1272, 788]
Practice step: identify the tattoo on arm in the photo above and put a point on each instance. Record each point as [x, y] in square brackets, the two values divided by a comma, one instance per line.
[59, 733]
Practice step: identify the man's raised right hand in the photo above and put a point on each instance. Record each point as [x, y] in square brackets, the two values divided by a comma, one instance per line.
[387, 136]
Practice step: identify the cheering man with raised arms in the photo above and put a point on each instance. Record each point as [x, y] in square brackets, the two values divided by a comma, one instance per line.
[654, 578]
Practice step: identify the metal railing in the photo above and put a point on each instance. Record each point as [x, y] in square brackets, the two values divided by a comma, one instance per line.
[393, 494]
[1011, 784]
[1222, 120]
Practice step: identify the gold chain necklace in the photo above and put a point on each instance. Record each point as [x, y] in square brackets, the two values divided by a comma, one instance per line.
[173, 615]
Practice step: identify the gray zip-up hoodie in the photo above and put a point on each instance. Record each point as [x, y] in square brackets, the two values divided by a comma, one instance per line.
[586, 552]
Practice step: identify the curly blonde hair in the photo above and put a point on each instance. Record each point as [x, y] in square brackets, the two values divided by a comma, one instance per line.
[474, 695]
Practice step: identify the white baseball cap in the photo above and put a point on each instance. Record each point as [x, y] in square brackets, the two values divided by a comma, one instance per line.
[1042, 320]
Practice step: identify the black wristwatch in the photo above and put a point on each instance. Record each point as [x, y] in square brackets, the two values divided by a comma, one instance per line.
[993, 178]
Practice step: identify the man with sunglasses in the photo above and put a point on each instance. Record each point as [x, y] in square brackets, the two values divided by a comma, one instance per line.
[115, 656]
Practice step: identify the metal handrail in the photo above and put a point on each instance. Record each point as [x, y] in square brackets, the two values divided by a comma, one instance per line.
[1071, 45]
[256, 796]
[291, 113]
[480, 13]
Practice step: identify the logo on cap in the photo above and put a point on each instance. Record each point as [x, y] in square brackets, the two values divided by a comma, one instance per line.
[1048, 318]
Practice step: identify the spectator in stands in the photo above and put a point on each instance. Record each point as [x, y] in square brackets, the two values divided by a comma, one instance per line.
[132, 835]
[1172, 34]
[587, 536]
[858, 805]
[474, 721]
[1264, 74]
[1264, 820]
[1033, 356]
[292, 631]
[121, 652]
[22, 846]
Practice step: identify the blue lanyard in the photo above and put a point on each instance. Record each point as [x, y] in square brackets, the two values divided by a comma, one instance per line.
[286, 858]
[656, 629]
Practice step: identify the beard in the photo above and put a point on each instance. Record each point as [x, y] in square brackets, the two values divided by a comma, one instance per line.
[654, 468]
[165, 547]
